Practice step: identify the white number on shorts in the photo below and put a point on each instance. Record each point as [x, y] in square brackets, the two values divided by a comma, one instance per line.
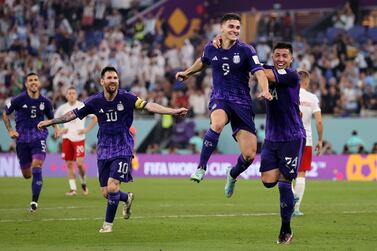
[291, 162]
[43, 144]
[226, 68]
[79, 149]
[123, 168]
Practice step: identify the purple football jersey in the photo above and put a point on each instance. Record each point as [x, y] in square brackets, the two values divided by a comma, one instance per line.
[230, 71]
[114, 120]
[29, 112]
[283, 122]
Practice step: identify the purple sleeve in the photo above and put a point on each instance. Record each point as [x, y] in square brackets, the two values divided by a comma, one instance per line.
[11, 105]
[49, 110]
[86, 109]
[288, 77]
[254, 64]
[205, 57]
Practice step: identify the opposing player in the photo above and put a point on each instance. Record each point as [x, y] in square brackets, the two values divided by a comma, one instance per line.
[230, 99]
[30, 108]
[73, 145]
[309, 106]
[114, 109]
[285, 134]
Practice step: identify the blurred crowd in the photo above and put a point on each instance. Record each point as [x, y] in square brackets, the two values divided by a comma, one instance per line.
[68, 42]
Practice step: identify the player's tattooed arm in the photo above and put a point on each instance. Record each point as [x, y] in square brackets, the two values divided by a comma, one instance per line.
[12, 133]
[63, 119]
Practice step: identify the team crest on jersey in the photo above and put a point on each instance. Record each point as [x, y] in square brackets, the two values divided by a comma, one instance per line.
[120, 106]
[42, 106]
[236, 58]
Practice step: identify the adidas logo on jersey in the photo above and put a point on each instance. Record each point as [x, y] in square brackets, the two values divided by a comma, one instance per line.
[101, 111]
[214, 58]
[24, 106]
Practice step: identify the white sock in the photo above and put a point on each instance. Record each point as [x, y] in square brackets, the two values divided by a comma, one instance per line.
[83, 179]
[300, 189]
[72, 184]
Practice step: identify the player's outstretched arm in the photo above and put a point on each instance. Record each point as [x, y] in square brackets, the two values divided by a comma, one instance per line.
[156, 108]
[270, 75]
[12, 133]
[63, 119]
[319, 124]
[196, 67]
[263, 83]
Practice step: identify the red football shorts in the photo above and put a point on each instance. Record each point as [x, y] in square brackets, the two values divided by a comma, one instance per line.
[306, 160]
[72, 150]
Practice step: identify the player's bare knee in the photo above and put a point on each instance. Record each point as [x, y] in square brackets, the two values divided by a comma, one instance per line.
[269, 181]
[217, 127]
[250, 156]
[27, 176]
[269, 184]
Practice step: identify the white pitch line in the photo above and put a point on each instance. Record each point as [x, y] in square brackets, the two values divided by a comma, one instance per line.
[147, 217]
[45, 208]
[173, 216]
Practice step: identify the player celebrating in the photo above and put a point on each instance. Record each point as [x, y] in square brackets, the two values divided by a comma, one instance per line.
[230, 100]
[114, 110]
[73, 145]
[31, 108]
[285, 134]
[309, 106]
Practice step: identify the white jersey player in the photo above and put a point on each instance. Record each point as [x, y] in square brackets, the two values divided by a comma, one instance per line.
[309, 106]
[73, 144]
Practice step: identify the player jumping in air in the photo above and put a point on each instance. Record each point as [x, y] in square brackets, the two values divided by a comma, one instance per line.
[230, 99]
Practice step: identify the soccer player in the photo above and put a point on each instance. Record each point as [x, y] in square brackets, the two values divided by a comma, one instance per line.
[30, 108]
[309, 106]
[114, 109]
[285, 134]
[73, 145]
[230, 100]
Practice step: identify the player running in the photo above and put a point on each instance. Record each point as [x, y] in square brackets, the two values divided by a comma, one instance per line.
[285, 134]
[114, 109]
[30, 108]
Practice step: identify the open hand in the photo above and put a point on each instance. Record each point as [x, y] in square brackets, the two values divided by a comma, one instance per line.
[180, 111]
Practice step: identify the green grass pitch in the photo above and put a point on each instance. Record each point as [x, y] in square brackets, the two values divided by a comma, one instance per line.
[175, 214]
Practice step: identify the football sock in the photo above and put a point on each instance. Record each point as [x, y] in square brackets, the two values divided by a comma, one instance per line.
[112, 205]
[241, 166]
[286, 205]
[36, 183]
[299, 191]
[72, 184]
[123, 196]
[211, 138]
[83, 179]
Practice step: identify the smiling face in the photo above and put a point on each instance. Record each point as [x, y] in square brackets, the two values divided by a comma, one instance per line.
[110, 82]
[282, 58]
[32, 84]
[230, 29]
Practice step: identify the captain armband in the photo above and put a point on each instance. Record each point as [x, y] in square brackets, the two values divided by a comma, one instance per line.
[140, 104]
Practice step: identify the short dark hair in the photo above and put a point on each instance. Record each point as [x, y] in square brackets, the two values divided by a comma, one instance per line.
[284, 45]
[31, 74]
[230, 16]
[106, 69]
